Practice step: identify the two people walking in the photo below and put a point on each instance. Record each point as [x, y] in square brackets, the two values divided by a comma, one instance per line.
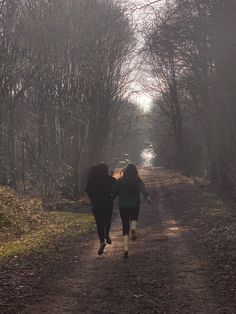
[102, 190]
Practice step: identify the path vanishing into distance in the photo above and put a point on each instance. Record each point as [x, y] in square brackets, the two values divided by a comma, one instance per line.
[169, 269]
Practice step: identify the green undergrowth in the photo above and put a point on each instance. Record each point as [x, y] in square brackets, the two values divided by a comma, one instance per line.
[26, 228]
[43, 240]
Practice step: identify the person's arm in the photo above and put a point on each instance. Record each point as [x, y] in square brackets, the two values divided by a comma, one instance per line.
[145, 192]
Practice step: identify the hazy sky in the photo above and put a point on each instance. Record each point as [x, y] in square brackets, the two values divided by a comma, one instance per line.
[142, 13]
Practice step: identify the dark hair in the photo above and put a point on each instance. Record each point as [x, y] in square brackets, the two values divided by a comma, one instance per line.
[102, 169]
[131, 172]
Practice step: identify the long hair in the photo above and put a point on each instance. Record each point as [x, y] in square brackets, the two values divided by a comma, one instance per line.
[131, 173]
[98, 170]
[102, 169]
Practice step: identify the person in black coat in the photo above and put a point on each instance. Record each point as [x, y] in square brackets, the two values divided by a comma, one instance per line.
[98, 189]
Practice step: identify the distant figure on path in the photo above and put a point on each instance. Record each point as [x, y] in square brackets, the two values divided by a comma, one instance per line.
[128, 188]
[98, 188]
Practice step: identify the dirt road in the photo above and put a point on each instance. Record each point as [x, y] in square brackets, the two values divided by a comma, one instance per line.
[164, 274]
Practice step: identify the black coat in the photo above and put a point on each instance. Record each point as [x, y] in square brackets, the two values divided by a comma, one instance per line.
[99, 191]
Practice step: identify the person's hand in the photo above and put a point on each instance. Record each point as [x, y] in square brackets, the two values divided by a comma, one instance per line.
[149, 200]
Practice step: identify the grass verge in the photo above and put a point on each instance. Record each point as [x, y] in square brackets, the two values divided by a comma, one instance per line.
[42, 240]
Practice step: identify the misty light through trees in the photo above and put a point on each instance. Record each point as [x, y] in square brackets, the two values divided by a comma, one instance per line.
[88, 87]
[148, 156]
[73, 73]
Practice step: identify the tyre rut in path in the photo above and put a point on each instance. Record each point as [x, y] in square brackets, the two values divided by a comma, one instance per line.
[162, 275]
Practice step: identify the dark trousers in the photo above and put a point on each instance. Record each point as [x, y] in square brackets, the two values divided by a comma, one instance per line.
[127, 215]
[103, 222]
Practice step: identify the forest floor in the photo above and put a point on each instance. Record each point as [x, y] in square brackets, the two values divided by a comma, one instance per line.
[184, 260]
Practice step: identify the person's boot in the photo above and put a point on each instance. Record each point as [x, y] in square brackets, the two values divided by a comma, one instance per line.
[101, 249]
[126, 255]
[108, 239]
[134, 236]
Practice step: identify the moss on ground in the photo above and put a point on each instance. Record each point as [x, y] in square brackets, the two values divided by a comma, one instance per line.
[43, 240]
[27, 228]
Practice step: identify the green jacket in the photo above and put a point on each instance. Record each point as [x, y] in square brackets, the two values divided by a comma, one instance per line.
[129, 192]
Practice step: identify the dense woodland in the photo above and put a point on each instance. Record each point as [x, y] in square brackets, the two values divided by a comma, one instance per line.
[65, 72]
[64, 104]
[73, 74]
[191, 48]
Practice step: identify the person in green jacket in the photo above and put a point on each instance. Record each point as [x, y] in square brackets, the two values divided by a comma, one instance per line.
[128, 189]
